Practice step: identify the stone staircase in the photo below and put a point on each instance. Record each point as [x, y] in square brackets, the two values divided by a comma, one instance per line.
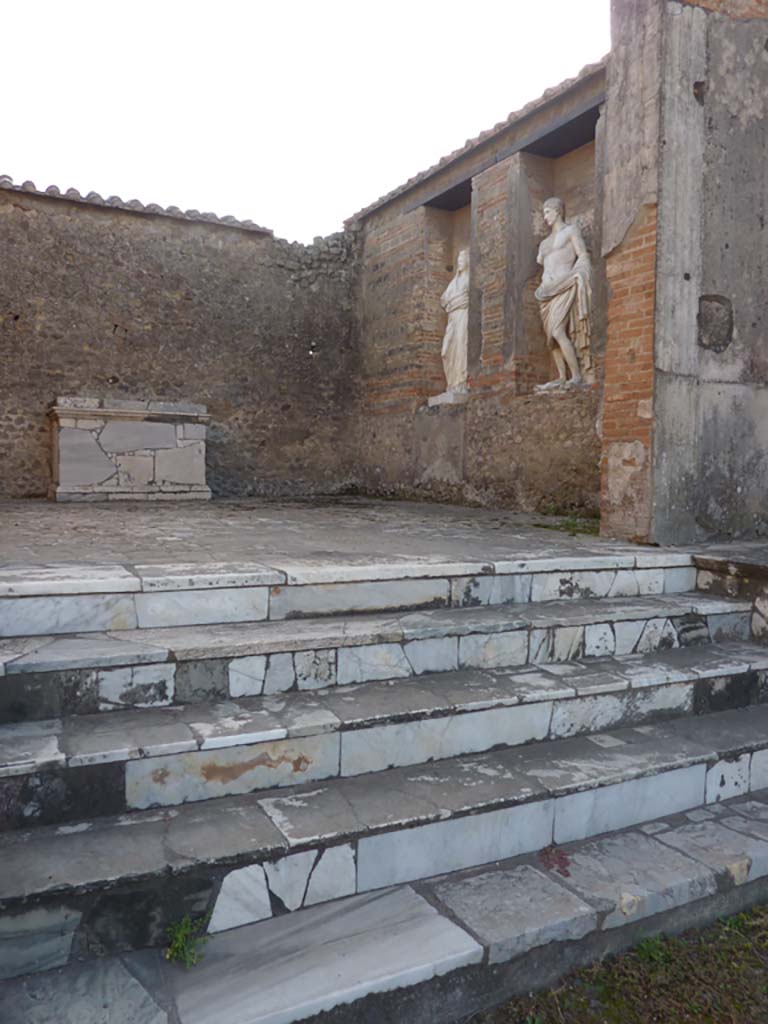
[242, 742]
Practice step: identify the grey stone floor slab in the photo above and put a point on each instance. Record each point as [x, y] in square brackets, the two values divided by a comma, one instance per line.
[630, 876]
[512, 911]
[305, 963]
[722, 849]
[102, 992]
[341, 530]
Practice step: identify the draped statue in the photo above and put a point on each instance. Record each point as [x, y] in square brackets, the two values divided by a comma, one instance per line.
[455, 302]
[565, 296]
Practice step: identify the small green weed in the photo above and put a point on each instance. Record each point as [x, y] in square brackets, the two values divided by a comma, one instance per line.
[184, 938]
[653, 950]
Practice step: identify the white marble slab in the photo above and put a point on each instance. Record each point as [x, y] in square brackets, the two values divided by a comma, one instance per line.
[334, 875]
[438, 654]
[372, 661]
[493, 650]
[246, 675]
[728, 778]
[338, 598]
[442, 846]
[50, 578]
[202, 576]
[205, 774]
[200, 607]
[86, 652]
[243, 899]
[271, 974]
[608, 808]
[26, 747]
[310, 572]
[67, 613]
[432, 739]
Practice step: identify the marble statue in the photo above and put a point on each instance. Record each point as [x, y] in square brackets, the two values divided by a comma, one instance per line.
[455, 302]
[565, 296]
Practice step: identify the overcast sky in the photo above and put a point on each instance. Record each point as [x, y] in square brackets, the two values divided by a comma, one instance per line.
[294, 114]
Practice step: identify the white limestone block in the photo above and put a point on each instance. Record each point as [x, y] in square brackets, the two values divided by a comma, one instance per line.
[81, 461]
[181, 465]
[131, 435]
[135, 471]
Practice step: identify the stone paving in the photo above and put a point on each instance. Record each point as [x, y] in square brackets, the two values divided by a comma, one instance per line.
[340, 529]
[398, 942]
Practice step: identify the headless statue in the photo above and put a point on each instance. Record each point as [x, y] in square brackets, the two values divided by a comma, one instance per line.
[565, 296]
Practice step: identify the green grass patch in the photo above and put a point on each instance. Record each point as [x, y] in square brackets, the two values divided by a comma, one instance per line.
[716, 975]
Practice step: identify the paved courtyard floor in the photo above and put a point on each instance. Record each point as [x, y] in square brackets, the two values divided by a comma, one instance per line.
[345, 530]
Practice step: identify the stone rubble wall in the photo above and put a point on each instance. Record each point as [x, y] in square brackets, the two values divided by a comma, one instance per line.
[109, 303]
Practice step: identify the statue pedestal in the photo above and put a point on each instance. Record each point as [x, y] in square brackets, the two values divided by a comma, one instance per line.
[455, 397]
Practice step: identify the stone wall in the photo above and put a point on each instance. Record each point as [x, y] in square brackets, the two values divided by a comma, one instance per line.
[507, 444]
[711, 404]
[110, 303]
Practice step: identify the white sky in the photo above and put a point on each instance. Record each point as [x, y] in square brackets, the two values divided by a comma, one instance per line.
[293, 113]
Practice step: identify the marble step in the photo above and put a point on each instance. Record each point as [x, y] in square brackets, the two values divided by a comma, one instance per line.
[54, 599]
[49, 677]
[439, 949]
[61, 770]
[115, 883]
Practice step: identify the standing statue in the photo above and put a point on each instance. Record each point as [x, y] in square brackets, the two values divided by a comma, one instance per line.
[565, 296]
[455, 302]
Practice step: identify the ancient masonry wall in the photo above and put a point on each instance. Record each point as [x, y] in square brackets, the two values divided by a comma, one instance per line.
[112, 303]
[710, 459]
[536, 452]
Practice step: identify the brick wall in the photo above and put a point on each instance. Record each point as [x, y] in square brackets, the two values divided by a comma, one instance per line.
[108, 303]
[629, 376]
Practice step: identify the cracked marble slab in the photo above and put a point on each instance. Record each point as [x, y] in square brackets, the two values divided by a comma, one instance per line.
[88, 651]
